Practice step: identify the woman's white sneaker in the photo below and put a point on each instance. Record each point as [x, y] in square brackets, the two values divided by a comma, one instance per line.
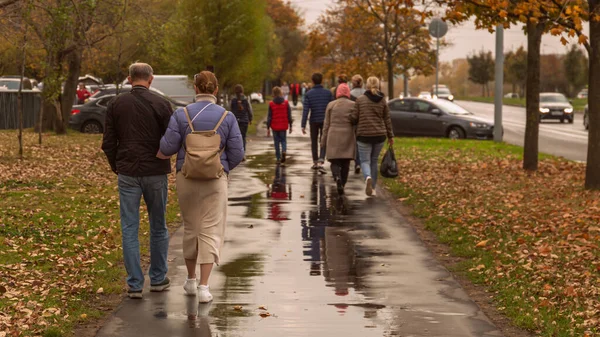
[190, 287]
[369, 186]
[204, 295]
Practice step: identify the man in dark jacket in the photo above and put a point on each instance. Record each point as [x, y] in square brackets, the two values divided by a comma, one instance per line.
[242, 110]
[315, 104]
[135, 123]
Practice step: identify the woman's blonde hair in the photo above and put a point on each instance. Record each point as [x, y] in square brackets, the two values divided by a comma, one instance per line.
[373, 85]
[206, 82]
[357, 81]
[277, 92]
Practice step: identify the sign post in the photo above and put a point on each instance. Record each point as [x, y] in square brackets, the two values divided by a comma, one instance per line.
[499, 92]
[437, 29]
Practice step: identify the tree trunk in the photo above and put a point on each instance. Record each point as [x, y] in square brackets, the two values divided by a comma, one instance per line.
[20, 94]
[592, 174]
[70, 90]
[532, 125]
[390, 71]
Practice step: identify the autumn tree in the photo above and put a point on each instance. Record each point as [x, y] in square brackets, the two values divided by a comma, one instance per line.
[382, 36]
[538, 16]
[289, 40]
[515, 70]
[230, 35]
[481, 70]
[576, 69]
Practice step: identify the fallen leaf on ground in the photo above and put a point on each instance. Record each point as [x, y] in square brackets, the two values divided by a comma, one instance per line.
[482, 243]
[262, 307]
[237, 308]
[264, 314]
[100, 291]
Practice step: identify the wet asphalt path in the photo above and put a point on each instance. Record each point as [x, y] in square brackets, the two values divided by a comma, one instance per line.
[322, 264]
[564, 140]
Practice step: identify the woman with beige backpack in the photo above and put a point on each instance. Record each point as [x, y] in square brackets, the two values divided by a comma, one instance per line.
[208, 143]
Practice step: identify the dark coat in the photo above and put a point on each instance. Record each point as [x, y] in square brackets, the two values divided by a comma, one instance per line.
[132, 133]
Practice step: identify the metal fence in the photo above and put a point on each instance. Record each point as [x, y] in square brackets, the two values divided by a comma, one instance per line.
[9, 117]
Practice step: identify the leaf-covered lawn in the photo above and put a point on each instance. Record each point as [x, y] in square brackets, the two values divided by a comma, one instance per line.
[532, 239]
[60, 236]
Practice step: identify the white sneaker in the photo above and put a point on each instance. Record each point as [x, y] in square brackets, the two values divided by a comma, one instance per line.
[369, 187]
[374, 194]
[204, 295]
[190, 287]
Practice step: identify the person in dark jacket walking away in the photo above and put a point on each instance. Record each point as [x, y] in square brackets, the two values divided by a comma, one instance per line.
[242, 109]
[356, 92]
[279, 119]
[372, 115]
[315, 103]
[135, 122]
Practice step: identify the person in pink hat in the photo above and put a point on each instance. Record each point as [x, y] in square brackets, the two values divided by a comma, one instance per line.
[338, 136]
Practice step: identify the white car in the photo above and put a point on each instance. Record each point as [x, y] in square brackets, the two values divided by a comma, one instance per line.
[425, 95]
[256, 97]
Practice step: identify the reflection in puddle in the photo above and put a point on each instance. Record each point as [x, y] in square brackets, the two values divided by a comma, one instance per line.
[279, 193]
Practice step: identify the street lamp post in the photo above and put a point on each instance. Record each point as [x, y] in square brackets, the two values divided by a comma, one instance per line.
[498, 128]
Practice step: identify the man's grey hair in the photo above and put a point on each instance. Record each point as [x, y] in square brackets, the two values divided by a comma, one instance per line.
[140, 71]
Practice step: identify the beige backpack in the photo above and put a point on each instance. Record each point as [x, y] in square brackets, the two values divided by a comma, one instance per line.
[203, 151]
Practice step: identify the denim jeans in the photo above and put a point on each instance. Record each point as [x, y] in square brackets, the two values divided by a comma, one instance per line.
[369, 156]
[154, 191]
[280, 139]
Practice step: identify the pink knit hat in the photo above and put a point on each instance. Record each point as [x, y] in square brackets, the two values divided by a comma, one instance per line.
[342, 90]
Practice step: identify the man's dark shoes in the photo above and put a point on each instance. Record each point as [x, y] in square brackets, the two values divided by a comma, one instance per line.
[315, 166]
[283, 157]
[357, 169]
[161, 286]
[135, 294]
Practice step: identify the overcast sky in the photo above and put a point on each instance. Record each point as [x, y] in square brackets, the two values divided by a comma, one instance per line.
[464, 39]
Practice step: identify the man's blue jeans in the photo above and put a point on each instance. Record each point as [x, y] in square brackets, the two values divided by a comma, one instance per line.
[280, 140]
[154, 191]
[369, 156]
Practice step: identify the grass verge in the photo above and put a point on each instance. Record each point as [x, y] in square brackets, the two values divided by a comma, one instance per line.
[578, 103]
[531, 239]
[60, 234]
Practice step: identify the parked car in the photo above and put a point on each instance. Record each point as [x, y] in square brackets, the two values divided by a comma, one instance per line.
[444, 93]
[440, 86]
[424, 95]
[256, 97]
[583, 93]
[555, 105]
[178, 87]
[12, 83]
[111, 90]
[511, 95]
[89, 117]
[439, 118]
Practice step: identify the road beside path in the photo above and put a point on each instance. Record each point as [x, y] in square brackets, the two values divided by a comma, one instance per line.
[321, 265]
[558, 139]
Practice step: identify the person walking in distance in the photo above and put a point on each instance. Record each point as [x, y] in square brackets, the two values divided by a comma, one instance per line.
[135, 122]
[242, 109]
[356, 92]
[372, 117]
[343, 78]
[279, 119]
[82, 93]
[285, 88]
[338, 136]
[203, 196]
[315, 103]
[295, 91]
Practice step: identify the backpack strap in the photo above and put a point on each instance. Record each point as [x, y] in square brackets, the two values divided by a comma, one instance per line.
[220, 121]
[187, 115]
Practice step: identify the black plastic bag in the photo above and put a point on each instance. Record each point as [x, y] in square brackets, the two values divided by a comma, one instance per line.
[389, 166]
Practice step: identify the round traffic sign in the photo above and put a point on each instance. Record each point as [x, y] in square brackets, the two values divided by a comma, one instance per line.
[438, 28]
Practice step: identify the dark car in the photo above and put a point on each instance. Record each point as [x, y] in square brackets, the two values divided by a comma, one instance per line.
[111, 90]
[556, 106]
[89, 117]
[437, 118]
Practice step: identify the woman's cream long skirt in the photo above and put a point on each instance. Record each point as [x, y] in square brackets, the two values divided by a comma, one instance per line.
[203, 206]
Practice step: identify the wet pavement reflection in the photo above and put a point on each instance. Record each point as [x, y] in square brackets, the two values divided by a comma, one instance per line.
[320, 264]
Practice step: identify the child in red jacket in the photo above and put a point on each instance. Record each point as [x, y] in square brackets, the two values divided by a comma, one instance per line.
[279, 120]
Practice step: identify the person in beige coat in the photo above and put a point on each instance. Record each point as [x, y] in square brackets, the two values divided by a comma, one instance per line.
[338, 136]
